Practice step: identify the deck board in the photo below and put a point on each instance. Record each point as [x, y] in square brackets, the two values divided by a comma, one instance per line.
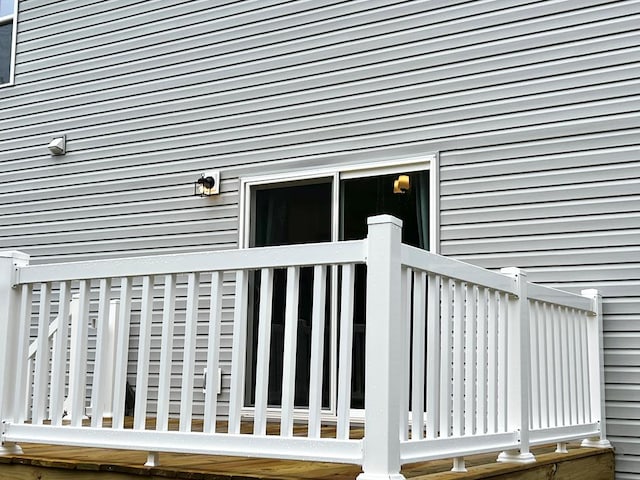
[48, 462]
[94, 462]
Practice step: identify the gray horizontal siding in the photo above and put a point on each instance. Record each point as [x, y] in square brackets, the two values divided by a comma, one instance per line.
[295, 101]
[533, 106]
[326, 71]
[565, 209]
[620, 375]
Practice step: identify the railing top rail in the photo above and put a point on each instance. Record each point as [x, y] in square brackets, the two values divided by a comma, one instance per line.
[222, 260]
[447, 267]
[560, 297]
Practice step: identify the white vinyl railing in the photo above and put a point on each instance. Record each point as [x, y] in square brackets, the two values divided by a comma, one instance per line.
[459, 360]
[56, 343]
[495, 362]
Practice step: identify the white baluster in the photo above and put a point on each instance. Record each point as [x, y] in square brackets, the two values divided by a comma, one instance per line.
[144, 348]
[417, 370]
[470, 361]
[188, 363]
[41, 376]
[238, 355]
[345, 352]
[458, 360]
[317, 350]
[166, 351]
[289, 354]
[264, 351]
[213, 352]
[405, 326]
[78, 364]
[446, 348]
[101, 363]
[25, 363]
[483, 396]
[121, 354]
[432, 384]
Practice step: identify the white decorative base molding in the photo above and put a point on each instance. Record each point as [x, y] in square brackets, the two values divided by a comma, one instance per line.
[10, 449]
[515, 456]
[596, 443]
[380, 476]
[459, 465]
[153, 459]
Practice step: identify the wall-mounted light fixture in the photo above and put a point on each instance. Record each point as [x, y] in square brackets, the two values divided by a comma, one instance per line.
[208, 184]
[58, 146]
[402, 184]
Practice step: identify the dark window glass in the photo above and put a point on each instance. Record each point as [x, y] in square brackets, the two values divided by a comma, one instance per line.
[6, 32]
[286, 215]
[362, 198]
[292, 214]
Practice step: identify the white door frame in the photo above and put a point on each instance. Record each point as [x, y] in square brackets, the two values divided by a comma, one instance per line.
[335, 174]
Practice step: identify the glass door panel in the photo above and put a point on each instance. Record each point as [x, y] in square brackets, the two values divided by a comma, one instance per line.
[287, 214]
[361, 198]
[309, 211]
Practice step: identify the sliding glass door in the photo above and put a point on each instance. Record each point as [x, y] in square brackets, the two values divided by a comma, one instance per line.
[323, 209]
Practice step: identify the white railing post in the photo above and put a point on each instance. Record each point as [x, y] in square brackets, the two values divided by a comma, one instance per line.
[596, 371]
[519, 368]
[383, 351]
[10, 262]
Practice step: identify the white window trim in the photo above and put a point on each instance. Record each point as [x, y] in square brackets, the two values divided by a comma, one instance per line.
[429, 162]
[336, 173]
[13, 18]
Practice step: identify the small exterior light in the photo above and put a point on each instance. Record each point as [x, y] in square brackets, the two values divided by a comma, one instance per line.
[208, 184]
[58, 146]
[402, 184]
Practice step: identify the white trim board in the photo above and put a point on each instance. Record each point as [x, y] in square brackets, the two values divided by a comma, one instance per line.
[340, 172]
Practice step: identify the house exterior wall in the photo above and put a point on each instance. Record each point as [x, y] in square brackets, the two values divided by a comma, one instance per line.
[532, 106]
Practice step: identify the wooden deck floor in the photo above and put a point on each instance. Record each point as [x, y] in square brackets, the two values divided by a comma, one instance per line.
[47, 462]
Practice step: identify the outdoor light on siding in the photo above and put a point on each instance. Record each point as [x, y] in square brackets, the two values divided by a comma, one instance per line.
[208, 184]
[58, 146]
[402, 184]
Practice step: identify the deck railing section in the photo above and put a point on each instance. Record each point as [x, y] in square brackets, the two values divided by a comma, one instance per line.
[495, 362]
[458, 327]
[565, 333]
[459, 360]
[58, 338]
[171, 293]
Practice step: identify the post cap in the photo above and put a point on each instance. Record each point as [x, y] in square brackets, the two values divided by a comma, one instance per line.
[513, 271]
[379, 219]
[14, 254]
[590, 292]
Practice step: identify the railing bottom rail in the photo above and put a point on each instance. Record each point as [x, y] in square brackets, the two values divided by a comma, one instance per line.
[259, 446]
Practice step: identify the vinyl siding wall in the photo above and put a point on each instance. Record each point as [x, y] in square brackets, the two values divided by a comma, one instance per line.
[532, 105]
